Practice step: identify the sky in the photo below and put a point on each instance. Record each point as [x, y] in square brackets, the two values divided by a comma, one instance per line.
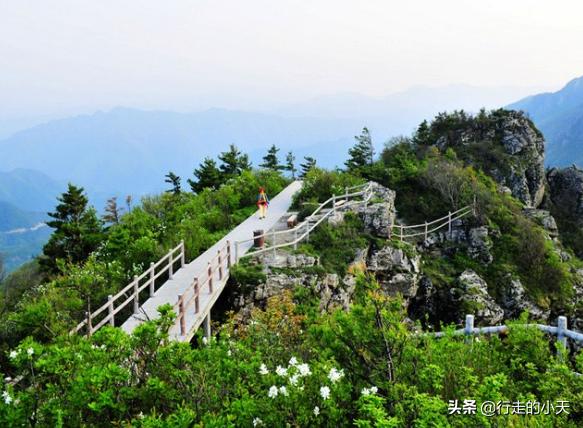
[64, 56]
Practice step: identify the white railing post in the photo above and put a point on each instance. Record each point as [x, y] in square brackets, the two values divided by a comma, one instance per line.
[425, 230]
[295, 238]
[449, 228]
[346, 194]
[307, 230]
[182, 254]
[401, 227]
[89, 324]
[469, 329]
[170, 266]
[273, 240]
[152, 279]
[236, 252]
[561, 327]
[136, 295]
[110, 310]
[334, 203]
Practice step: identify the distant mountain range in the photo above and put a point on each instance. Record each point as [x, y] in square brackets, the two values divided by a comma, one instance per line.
[22, 234]
[559, 115]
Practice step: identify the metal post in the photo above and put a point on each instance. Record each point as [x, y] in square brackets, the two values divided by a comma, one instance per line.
[181, 315]
[196, 293]
[206, 325]
[561, 327]
[136, 295]
[449, 223]
[210, 275]
[183, 254]
[236, 252]
[170, 266]
[334, 204]
[152, 279]
[110, 310]
[401, 227]
[426, 230]
[295, 238]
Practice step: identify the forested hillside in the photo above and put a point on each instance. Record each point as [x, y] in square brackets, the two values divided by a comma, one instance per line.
[333, 333]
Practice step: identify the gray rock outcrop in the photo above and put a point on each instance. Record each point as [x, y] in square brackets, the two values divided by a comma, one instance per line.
[396, 271]
[471, 295]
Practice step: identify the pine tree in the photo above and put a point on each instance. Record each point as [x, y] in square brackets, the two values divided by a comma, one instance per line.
[78, 230]
[129, 203]
[207, 176]
[309, 163]
[423, 134]
[173, 180]
[362, 153]
[233, 162]
[270, 160]
[290, 164]
[112, 211]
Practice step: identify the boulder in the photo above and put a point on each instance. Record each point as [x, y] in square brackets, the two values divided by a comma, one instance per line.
[479, 245]
[396, 271]
[566, 191]
[516, 301]
[544, 219]
[471, 295]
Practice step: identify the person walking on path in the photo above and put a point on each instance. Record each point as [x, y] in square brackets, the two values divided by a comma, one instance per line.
[262, 203]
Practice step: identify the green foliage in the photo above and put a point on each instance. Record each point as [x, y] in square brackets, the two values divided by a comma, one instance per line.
[208, 176]
[233, 162]
[319, 185]
[309, 163]
[78, 231]
[174, 181]
[271, 161]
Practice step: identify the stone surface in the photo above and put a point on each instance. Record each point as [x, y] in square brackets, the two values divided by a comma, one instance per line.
[566, 191]
[544, 219]
[395, 271]
[378, 217]
[515, 302]
[471, 294]
[479, 245]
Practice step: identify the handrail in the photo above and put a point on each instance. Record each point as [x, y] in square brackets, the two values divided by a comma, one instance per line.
[168, 260]
[560, 330]
[302, 230]
[449, 219]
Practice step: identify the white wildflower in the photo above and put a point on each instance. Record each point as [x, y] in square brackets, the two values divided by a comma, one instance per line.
[365, 391]
[304, 370]
[374, 389]
[13, 354]
[204, 340]
[369, 391]
[316, 411]
[325, 392]
[283, 390]
[281, 371]
[293, 361]
[272, 392]
[6, 397]
[229, 353]
[257, 422]
[141, 415]
[294, 379]
[335, 375]
[30, 351]
[263, 369]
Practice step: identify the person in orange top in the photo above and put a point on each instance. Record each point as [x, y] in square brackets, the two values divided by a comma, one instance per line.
[262, 203]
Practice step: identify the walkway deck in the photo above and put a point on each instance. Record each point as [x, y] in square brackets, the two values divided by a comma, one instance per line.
[183, 278]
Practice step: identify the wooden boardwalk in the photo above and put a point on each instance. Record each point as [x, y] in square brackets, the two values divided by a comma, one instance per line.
[191, 287]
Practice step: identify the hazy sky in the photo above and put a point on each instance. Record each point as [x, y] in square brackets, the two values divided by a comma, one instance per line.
[65, 55]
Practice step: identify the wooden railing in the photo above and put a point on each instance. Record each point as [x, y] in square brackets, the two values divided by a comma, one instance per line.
[217, 269]
[424, 229]
[130, 294]
[302, 231]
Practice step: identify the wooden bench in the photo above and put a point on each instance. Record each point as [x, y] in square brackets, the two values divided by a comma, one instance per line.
[292, 221]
